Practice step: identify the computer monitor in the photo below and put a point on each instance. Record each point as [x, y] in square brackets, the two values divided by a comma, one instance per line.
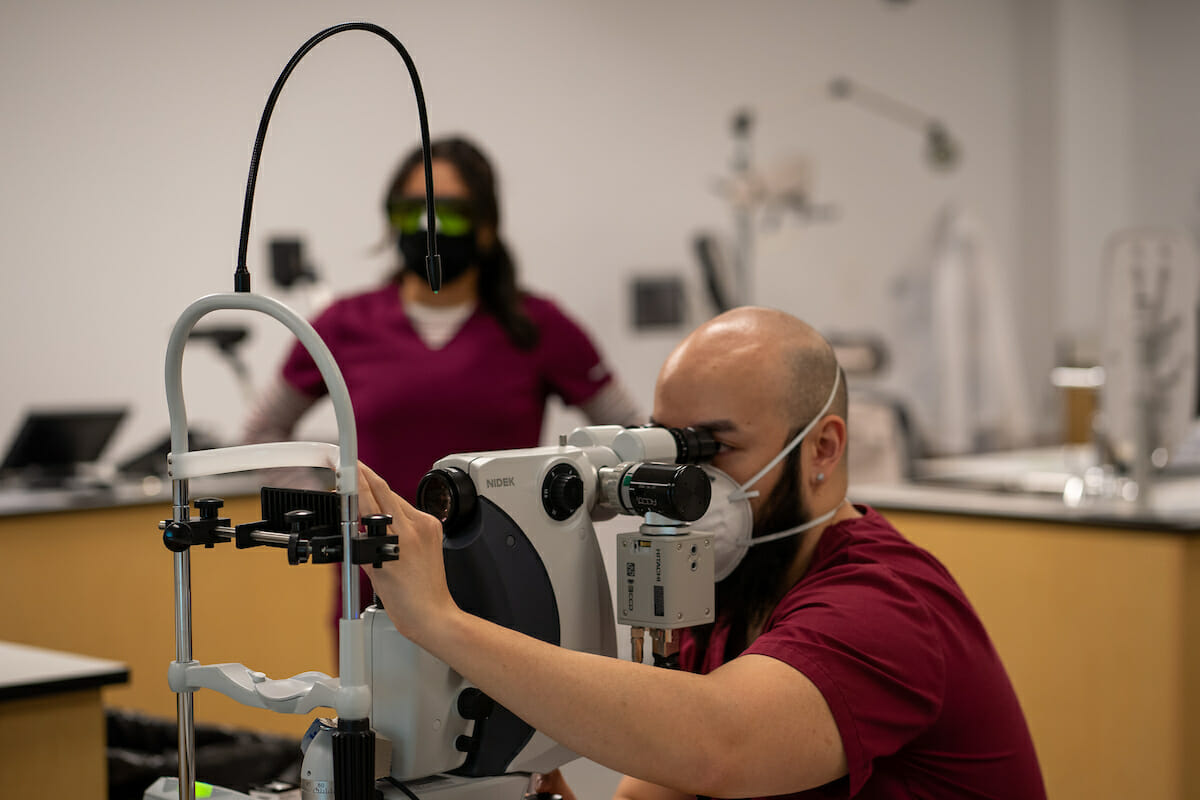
[53, 445]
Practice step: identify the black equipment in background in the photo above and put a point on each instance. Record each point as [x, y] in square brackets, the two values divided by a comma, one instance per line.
[708, 255]
[288, 266]
[152, 460]
[51, 446]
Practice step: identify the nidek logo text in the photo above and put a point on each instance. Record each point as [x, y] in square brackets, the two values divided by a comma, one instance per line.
[497, 483]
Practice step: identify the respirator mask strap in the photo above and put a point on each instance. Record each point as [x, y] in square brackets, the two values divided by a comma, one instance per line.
[812, 523]
[741, 493]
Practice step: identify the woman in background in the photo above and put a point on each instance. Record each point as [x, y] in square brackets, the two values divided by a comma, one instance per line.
[467, 369]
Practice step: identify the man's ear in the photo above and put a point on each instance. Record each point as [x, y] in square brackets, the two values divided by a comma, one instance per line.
[828, 444]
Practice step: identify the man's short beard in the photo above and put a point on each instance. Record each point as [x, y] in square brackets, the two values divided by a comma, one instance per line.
[748, 595]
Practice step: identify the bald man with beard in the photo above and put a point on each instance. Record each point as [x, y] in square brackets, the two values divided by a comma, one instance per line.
[844, 662]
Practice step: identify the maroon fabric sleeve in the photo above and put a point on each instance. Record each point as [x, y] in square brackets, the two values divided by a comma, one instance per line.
[872, 649]
[570, 363]
[299, 369]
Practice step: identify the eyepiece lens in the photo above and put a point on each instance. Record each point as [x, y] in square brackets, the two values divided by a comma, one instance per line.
[694, 445]
[436, 498]
[447, 494]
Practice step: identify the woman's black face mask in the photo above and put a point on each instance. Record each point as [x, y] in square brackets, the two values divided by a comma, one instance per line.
[458, 253]
[454, 232]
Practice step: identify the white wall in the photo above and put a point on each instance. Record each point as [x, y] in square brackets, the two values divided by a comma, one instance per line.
[128, 130]
[1095, 125]
[1166, 110]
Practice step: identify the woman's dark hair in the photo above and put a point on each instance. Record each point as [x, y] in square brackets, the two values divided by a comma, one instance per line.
[498, 290]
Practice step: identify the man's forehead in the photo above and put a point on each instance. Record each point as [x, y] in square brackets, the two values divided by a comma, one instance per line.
[720, 401]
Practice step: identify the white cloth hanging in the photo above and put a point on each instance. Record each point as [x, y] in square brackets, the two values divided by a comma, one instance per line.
[968, 389]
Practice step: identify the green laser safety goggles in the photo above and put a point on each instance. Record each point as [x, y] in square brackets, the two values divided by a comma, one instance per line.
[452, 215]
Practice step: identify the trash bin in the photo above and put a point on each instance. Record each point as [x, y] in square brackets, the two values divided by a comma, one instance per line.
[142, 748]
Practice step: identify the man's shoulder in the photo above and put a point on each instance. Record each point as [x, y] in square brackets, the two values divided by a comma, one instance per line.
[870, 529]
[868, 554]
[867, 538]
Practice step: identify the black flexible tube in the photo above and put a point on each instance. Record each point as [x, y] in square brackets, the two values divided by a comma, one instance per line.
[241, 275]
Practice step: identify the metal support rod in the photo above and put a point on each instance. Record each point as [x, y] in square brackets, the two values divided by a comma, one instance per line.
[349, 569]
[882, 104]
[185, 714]
[269, 537]
[743, 216]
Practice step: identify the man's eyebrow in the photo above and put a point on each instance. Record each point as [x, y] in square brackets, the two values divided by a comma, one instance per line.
[716, 425]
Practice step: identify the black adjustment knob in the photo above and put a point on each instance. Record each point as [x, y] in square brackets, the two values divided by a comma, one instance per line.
[209, 507]
[562, 491]
[298, 549]
[566, 492]
[177, 536]
[474, 704]
[466, 744]
[298, 520]
[377, 524]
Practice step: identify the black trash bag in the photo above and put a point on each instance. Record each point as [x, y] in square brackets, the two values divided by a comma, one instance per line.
[142, 749]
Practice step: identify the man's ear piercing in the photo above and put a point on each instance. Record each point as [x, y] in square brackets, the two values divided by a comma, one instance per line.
[820, 477]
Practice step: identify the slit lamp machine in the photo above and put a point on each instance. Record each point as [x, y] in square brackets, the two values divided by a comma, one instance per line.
[519, 546]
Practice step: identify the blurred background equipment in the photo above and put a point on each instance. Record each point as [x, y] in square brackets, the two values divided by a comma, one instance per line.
[1148, 400]
[881, 443]
[151, 460]
[955, 311]
[942, 151]
[658, 302]
[760, 200]
[228, 341]
[291, 270]
[54, 448]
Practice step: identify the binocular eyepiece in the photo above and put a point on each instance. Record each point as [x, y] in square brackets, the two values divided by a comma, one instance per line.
[693, 445]
[656, 474]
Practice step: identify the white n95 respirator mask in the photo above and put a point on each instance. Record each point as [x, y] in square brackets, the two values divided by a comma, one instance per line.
[730, 520]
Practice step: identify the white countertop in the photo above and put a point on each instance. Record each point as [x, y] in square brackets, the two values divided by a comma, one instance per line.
[15, 499]
[27, 671]
[1044, 483]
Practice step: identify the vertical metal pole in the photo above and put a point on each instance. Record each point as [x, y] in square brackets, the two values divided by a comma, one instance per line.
[1147, 363]
[744, 215]
[349, 569]
[183, 651]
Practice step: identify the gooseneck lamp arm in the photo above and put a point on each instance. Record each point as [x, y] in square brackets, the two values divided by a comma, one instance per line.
[349, 694]
[433, 263]
[942, 151]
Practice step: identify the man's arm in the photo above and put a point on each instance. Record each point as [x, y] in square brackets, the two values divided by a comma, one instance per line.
[634, 789]
[628, 789]
[756, 726]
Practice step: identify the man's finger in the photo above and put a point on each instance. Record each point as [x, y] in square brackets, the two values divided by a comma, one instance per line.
[389, 501]
[368, 503]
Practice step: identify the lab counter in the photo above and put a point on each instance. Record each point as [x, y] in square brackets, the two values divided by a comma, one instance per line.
[1095, 611]
[18, 499]
[943, 496]
[52, 731]
[86, 572]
